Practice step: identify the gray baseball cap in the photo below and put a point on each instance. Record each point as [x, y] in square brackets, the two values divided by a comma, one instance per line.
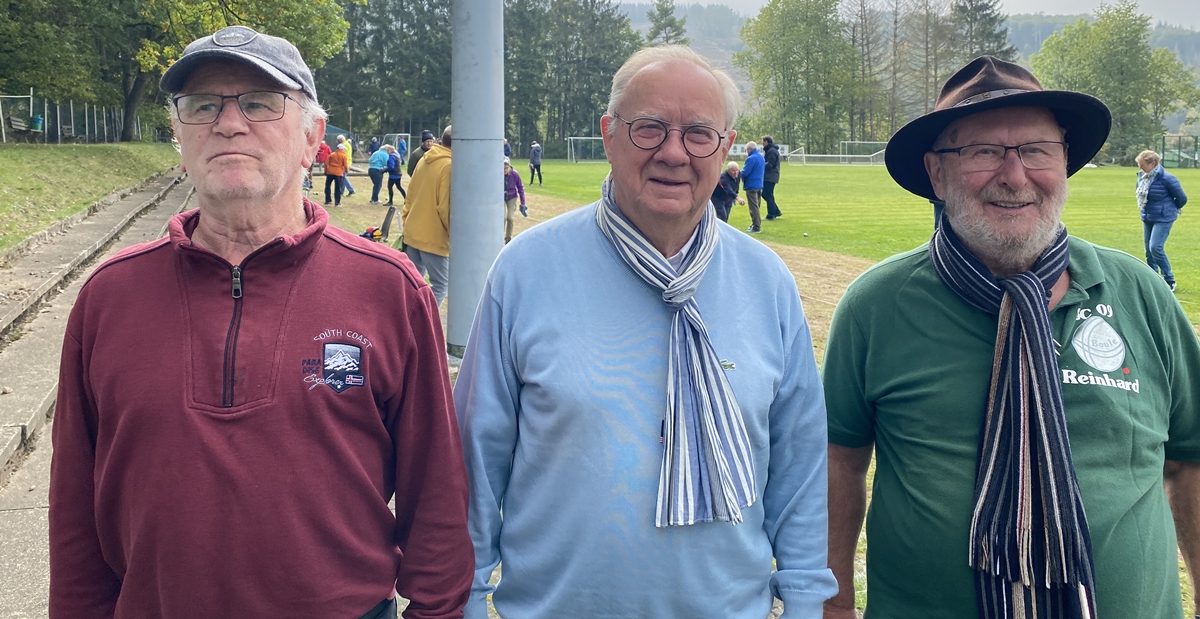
[274, 56]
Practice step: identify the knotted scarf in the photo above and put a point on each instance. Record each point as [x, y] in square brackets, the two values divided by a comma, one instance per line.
[1030, 545]
[707, 468]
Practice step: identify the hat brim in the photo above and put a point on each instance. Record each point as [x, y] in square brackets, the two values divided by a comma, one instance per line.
[176, 75]
[1086, 119]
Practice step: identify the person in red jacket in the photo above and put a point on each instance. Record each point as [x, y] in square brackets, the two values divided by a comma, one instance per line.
[239, 401]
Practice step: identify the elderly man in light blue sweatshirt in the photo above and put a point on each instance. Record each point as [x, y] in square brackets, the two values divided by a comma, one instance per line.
[642, 418]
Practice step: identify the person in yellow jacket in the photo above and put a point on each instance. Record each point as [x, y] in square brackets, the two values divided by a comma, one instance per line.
[349, 144]
[426, 217]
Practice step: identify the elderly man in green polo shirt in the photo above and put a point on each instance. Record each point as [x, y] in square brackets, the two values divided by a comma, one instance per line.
[1031, 399]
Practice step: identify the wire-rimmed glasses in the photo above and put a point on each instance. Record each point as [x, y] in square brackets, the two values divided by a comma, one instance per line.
[987, 157]
[647, 133]
[259, 106]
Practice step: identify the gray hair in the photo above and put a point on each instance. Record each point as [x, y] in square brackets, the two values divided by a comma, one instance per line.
[1149, 157]
[310, 111]
[671, 53]
[389, 148]
[733, 165]
[751, 146]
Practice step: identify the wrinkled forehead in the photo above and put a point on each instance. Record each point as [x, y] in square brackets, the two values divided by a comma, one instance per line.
[1002, 126]
[675, 88]
[221, 74]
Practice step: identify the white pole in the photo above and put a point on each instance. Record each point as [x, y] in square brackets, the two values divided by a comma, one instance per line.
[58, 121]
[3, 134]
[45, 119]
[477, 107]
[104, 119]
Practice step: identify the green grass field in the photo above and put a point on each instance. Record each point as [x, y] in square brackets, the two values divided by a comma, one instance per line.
[41, 184]
[860, 211]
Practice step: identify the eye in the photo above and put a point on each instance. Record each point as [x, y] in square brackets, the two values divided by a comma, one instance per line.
[983, 150]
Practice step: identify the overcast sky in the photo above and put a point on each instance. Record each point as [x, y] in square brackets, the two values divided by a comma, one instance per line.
[1180, 12]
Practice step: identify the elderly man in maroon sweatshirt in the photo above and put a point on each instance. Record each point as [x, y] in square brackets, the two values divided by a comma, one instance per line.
[240, 400]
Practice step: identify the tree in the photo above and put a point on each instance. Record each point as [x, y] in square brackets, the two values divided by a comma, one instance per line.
[979, 30]
[803, 77]
[665, 28]
[929, 38]
[42, 45]
[1111, 59]
[588, 41]
[135, 40]
[525, 68]
[866, 34]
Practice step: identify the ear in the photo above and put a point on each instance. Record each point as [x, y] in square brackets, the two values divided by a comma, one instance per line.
[312, 141]
[935, 169]
[606, 136]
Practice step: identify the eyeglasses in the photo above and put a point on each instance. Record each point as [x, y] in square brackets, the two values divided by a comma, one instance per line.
[987, 157]
[261, 106]
[646, 133]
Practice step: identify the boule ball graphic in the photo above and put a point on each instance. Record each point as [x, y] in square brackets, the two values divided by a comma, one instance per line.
[1099, 345]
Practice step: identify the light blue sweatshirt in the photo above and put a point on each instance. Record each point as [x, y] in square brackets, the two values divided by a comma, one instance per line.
[561, 398]
[378, 160]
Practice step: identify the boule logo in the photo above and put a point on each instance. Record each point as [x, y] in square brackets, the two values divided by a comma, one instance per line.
[234, 36]
[1099, 345]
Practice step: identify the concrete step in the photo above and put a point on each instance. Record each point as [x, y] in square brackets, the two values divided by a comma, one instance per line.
[29, 364]
[36, 267]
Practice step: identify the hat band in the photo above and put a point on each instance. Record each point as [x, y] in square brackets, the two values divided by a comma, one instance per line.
[992, 94]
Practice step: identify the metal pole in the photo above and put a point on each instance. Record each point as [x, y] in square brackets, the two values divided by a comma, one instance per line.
[104, 119]
[58, 121]
[45, 119]
[477, 109]
[3, 133]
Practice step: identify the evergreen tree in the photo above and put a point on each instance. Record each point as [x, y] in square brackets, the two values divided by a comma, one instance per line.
[665, 28]
[979, 29]
[525, 68]
[803, 78]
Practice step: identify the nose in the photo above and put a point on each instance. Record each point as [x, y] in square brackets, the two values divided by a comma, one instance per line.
[232, 121]
[1012, 171]
[672, 151]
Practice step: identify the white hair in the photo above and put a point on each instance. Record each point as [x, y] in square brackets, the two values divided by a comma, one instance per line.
[733, 165]
[310, 111]
[665, 54]
[751, 146]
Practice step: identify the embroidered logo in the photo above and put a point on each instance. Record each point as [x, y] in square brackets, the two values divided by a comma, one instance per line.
[728, 365]
[342, 366]
[1099, 345]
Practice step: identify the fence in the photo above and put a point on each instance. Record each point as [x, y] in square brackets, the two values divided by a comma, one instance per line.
[30, 118]
[1180, 151]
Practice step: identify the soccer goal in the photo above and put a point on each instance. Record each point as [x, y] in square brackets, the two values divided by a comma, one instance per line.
[800, 157]
[846, 147]
[586, 150]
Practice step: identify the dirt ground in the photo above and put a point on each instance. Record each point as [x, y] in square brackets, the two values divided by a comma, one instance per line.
[821, 276]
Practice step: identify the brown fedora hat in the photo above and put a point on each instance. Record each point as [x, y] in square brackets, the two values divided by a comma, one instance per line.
[988, 83]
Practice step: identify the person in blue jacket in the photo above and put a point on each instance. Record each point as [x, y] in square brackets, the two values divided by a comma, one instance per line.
[752, 183]
[378, 163]
[402, 149]
[1160, 198]
[395, 173]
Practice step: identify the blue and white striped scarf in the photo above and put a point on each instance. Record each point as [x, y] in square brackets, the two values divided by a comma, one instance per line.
[708, 468]
[1030, 544]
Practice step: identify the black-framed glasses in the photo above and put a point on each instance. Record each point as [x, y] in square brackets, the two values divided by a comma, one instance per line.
[260, 106]
[987, 157]
[647, 133]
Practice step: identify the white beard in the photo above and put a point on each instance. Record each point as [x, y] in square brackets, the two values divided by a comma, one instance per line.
[1003, 252]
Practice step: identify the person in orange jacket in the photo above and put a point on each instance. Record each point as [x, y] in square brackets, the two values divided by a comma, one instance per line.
[335, 174]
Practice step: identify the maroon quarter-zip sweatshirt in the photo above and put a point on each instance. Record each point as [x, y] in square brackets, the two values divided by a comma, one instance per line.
[227, 437]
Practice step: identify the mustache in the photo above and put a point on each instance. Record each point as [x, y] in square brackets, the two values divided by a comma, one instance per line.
[995, 194]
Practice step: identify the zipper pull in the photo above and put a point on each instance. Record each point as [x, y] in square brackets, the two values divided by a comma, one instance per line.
[237, 282]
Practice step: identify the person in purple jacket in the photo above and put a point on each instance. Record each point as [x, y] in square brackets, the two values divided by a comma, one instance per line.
[1160, 198]
[752, 182]
[513, 188]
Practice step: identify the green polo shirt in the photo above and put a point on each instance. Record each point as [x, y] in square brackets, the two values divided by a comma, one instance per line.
[907, 367]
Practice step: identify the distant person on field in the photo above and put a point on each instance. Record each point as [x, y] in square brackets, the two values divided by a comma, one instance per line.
[535, 162]
[402, 149]
[426, 144]
[426, 216]
[374, 145]
[395, 174]
[1032, 400]
[335, 174]
[770, 176]
[349, 144]
[376, 169]
[640, 406]
[507, 150]
[752, 182]
[1160, 198]
[514, 196]
[240, 400]
[727, 190]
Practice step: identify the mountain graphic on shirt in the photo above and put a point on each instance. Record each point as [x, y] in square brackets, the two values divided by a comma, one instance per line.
[341, 362]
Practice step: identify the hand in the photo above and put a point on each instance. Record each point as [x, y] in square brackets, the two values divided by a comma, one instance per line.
[742, 201]
[837, 612]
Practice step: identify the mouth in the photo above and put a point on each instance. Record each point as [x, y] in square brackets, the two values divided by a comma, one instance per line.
[1009, 205]
[668, 183]
[228, 154]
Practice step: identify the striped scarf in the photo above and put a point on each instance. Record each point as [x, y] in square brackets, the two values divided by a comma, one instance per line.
[707, 468]
[1143, 188]
[1030, 545]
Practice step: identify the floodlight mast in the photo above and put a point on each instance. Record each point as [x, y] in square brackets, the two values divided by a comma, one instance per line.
[477, 113]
